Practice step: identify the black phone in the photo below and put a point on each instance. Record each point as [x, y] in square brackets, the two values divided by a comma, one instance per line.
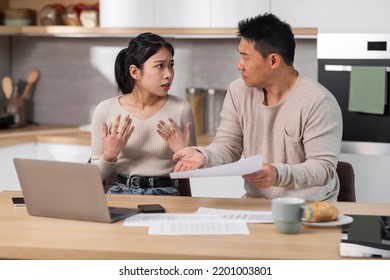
[151, 208]
[18, 201]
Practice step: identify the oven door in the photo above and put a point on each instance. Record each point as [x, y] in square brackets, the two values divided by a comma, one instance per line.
[334, 74]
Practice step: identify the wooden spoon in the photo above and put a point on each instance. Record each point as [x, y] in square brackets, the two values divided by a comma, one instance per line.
[33, 76]
[7, 87]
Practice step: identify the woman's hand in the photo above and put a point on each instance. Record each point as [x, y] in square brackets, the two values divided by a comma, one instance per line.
[172, 134]
[115, 140]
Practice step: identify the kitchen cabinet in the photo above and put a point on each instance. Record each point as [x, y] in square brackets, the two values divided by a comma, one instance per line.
[229, 187]
[182, 13]
[222, 18]
[51, 142]
[372, 177]
[227, 13]
[63, 152]
[354, 16]
[8, 177]
[46, 151]
[299, 13]
[126, 13]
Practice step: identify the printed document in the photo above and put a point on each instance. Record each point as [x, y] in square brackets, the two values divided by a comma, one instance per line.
[241, 167]
[217, 227]
[250, 217]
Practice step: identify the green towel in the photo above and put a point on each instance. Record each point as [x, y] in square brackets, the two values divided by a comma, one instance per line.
[368, 89]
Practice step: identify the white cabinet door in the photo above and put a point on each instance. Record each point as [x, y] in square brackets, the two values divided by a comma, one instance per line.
[8, 177]
[230, 187]
[126, 13]
[63, 152]
[297, 13]
[182, 13]
[227, 13]
[355, 16]
[58, 152]
[372, 177]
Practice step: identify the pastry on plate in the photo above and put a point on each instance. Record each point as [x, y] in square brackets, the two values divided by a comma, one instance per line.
[323, 211]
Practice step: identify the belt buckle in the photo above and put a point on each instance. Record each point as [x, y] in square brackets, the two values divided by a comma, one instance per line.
[132, 179]
[151, 182]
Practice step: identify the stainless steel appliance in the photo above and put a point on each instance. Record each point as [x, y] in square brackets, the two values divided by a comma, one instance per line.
[336, 54]
[366, 137]
[214, 103]
[207, 107]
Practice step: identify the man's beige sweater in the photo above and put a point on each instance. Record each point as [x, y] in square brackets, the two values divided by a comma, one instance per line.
[301, 137]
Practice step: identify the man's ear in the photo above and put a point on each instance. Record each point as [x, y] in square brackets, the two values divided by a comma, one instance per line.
[275, 60]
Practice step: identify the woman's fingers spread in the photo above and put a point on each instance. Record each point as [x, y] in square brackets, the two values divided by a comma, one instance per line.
[174, 125]
[115, 127]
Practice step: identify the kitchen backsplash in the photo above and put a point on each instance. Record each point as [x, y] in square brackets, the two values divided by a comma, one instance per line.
[77, 73]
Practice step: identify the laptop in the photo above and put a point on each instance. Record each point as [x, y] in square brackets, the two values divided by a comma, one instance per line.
[66, 190]
[367, 237]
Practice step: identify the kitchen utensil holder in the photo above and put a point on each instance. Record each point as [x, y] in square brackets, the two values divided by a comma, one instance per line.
[17, 108]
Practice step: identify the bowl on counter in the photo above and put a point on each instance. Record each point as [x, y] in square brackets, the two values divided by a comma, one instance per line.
[18, 17]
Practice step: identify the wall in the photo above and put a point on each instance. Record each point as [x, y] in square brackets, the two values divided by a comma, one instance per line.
[77, 73]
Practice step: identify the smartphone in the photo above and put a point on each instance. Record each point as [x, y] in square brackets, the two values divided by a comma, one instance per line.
[151, 208]
[18, 201]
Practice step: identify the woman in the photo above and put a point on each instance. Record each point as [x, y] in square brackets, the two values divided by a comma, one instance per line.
[135, 134]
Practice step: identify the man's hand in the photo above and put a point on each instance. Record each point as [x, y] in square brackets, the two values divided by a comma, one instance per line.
[263, 178]
[188, 158]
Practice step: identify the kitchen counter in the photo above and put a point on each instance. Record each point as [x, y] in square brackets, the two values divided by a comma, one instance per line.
[60, 134]
[44, 133]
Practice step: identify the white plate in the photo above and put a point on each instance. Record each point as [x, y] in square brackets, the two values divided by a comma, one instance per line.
[342, 220]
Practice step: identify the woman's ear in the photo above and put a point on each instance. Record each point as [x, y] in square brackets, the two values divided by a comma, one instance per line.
[134, 72]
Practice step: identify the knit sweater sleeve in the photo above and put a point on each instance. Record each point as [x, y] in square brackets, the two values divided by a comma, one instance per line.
[145, 153]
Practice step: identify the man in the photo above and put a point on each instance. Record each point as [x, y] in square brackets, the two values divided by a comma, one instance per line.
[294, 123]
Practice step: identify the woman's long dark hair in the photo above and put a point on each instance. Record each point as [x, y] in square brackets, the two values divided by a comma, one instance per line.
[140, 49]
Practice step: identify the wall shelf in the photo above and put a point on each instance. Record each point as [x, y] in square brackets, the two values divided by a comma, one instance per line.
[97, 32]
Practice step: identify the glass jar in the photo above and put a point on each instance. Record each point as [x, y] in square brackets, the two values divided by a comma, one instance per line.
[89, 17]
[51, 14]
[72, 14]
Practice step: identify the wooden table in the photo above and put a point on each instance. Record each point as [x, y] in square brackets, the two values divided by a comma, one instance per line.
[27, 237]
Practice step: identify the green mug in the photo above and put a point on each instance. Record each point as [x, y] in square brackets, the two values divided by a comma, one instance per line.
[289, 212]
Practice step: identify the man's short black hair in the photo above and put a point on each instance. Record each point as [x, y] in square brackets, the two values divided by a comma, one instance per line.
[269, 35]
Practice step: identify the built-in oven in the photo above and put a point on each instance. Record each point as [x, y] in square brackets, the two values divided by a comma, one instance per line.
[337, 53]
[366, 136]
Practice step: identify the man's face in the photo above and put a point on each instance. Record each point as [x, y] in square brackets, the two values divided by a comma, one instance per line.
[255, 70]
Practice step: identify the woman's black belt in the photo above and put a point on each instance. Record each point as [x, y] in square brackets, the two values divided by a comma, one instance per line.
[147, 182]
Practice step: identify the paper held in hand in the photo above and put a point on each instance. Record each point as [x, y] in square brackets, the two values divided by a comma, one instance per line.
[243, 166]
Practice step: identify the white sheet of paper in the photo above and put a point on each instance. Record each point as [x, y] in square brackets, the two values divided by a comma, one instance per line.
[250, 217]
[145, 220]
[243, 166]
[217, 227]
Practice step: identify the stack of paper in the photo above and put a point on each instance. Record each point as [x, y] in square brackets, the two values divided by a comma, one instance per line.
[205, 221]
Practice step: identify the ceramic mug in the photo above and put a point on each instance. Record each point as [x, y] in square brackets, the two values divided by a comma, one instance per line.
[289, 212]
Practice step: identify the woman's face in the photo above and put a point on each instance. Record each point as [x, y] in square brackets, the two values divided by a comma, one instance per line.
[157, 73]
